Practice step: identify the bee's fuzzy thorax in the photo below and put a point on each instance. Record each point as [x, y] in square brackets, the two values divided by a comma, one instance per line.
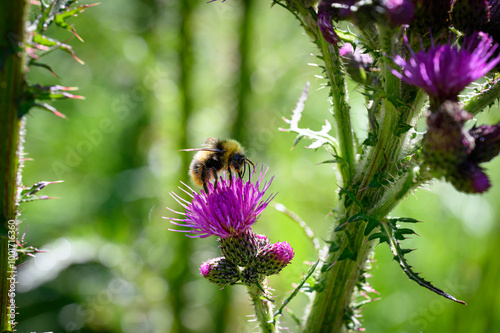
[217, 156]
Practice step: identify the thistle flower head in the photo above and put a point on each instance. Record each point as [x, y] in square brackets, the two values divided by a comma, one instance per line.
[445, 70]
[226, 211]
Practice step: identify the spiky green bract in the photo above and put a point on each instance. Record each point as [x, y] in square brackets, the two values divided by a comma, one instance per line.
[262, 240]
[220, 271]
[273, 258]
[226, 211]
[240, 249]
[250, 276]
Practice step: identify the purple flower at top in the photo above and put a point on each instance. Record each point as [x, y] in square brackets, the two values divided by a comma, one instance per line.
[444, 70]
[227, 211]
[399, 11]
[325, 16]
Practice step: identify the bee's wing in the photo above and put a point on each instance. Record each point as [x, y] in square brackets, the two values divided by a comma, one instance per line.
[202, 149]
[210, 142]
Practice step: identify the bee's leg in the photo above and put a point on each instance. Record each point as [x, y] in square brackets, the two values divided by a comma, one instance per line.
[204, 180]
[242, 173]
[214, 173]
[230, 176]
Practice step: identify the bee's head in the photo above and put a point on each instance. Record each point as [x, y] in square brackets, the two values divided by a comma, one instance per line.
[238, 162]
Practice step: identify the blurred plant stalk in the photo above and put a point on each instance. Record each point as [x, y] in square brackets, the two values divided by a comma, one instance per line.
[12, 67]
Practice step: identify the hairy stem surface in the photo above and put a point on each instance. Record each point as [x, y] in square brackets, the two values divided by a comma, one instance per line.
[12, 62]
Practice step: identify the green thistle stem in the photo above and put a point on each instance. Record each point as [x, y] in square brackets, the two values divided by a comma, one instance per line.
[485, 99]
[345, 264]
[12, 63]
[263, 309]
[338, 88]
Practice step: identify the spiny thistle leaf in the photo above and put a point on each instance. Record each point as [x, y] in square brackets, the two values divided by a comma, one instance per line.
[50, 108]
[390, 232]
[347, 253]
[338, 160]
[48, 11]
[28, 193]
[36, 93]
[357, 217]
[333, 246]
[320, 138]
[51, 93]
[402, 128]
[401, 232]
[394, 220]
[47, 67]
[373, 222]
[47, 42]
[381, 237]
[60, 18]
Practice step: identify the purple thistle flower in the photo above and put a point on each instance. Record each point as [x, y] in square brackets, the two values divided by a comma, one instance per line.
[227, 211]
[444, 70]
[399, 12]
[325, 16]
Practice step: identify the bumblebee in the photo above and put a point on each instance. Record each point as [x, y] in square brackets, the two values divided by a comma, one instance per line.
[218, 155]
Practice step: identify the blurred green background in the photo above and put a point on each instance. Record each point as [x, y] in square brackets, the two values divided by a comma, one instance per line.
[165, 75]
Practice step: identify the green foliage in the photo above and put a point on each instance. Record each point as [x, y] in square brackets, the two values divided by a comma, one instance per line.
[107, 245]
[39, 44]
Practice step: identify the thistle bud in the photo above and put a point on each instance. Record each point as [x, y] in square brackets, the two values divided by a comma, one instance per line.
[446, 144]
[250, 276]
[273, 258]
[469, 178]
[487, 143]
[240, 249]
[358, 64]
[220, 271]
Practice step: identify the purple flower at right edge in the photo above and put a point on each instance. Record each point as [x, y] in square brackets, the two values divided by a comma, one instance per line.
[445, 70]
[454, 153]
[272, 258]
